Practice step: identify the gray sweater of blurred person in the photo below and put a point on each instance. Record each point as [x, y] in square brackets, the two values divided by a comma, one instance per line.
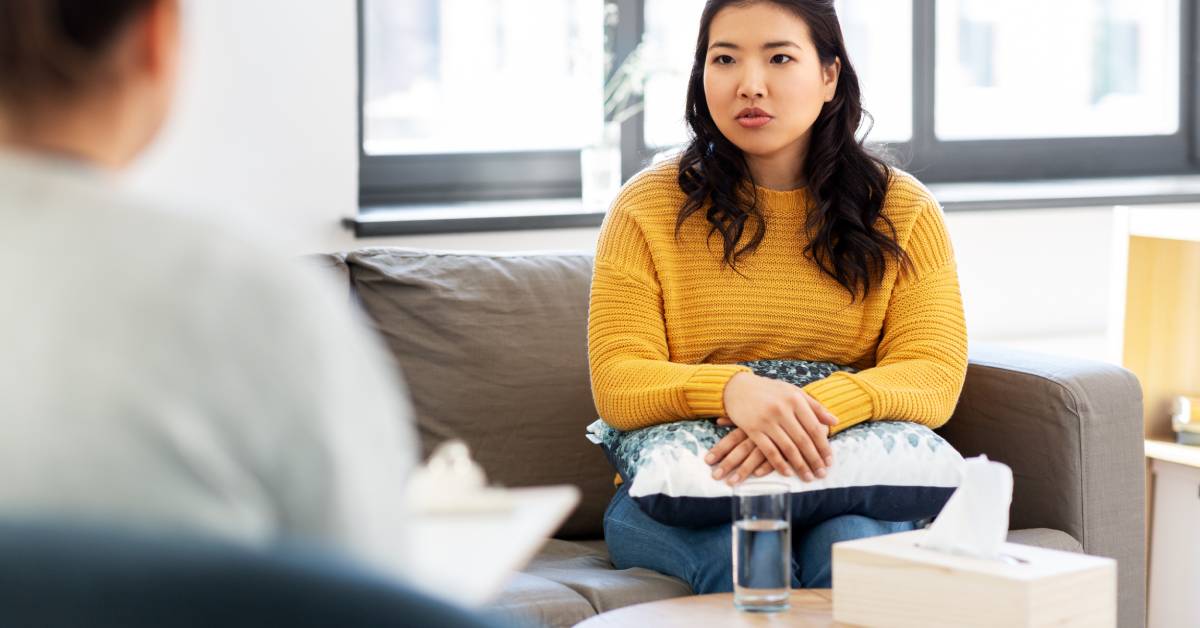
[161, 373]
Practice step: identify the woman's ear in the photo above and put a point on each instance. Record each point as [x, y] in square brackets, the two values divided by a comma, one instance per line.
[160, 39]
[830, 74]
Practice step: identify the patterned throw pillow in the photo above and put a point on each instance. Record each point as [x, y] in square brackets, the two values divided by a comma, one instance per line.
[889, 470]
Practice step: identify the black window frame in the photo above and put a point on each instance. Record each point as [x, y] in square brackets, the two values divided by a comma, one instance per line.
[396, 181]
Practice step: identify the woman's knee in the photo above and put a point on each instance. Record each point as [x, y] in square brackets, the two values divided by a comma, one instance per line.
[712, 576]
[848, 528]
[816, 547]
[699, 556]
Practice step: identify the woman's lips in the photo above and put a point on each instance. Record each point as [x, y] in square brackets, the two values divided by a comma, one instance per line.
[754, 122]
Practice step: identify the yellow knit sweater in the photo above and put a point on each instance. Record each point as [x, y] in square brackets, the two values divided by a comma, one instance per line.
[668, 322]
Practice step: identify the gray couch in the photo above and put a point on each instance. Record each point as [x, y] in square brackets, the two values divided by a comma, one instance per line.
[493, 347]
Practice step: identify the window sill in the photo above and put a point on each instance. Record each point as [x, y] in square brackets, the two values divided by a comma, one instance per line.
[568, 212]
[478, 216]
[1067, 193]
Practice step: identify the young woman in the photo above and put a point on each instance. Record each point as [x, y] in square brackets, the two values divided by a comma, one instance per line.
[156, 371]
[775, 234]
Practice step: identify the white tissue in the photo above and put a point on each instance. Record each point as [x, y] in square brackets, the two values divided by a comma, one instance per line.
[452, 483]
[974, 522]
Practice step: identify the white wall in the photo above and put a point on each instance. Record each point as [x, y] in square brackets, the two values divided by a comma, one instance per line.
[264, 130]
[265, 134]
[1037, 280]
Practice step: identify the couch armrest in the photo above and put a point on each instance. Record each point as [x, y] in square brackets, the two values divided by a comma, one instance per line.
[1072, 432]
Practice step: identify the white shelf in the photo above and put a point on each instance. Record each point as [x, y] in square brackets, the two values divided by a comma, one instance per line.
[1173, 452]
[1169, 222]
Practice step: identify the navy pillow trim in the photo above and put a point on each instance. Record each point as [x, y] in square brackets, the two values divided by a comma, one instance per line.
[888, 503]
[616, 463]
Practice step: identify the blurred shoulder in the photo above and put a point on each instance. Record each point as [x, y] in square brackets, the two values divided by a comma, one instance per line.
[183, 261]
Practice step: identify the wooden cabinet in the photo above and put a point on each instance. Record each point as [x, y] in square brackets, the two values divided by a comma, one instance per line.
[1154, 317]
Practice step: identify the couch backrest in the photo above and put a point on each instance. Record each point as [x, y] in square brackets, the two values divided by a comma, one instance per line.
[493, 348]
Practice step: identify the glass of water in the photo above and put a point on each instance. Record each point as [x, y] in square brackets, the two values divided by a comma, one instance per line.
[762, 546]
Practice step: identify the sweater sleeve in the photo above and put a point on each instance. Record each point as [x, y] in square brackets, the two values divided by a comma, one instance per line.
[634, 383]
[921, 359]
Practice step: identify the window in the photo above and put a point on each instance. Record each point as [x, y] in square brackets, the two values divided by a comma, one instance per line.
[1069, 68]
[878, 37]
[473, 100]
[1033, 90]
[469, 76]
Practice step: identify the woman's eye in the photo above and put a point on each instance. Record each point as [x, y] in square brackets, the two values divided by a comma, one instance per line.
[722, 59]
[781, 58]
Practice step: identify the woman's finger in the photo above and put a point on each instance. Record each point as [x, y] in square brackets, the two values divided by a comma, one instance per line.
[751, 464]
[733, 460]
[816, 437]
[820, 435]
[763, 469]
[725, 445]
[823, 414]
[768, 448]
[787, 447]
[797, 430]
[820, 439]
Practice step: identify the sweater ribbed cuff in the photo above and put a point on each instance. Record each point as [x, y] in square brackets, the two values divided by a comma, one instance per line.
[705, 389]
[842, 396]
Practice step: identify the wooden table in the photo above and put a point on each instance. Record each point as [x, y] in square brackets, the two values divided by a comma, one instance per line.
[810, 608]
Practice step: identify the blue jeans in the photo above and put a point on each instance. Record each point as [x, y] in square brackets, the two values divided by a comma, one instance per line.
[703, 557]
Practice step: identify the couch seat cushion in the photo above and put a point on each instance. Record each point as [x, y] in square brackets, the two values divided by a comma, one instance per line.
[586, 569]
[532, 600]
[1045, 537]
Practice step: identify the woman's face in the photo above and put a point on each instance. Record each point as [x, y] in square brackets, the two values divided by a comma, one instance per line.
[763, 81]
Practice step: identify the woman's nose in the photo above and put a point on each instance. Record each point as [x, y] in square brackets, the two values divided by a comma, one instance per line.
[752, 85]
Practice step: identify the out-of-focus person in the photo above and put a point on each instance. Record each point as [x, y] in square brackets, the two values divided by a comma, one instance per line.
[157, 371]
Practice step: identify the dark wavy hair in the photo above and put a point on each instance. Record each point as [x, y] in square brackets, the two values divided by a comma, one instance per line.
[846, 182]
[51, 49]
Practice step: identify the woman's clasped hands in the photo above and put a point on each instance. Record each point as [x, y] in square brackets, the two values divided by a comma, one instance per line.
[779, 426]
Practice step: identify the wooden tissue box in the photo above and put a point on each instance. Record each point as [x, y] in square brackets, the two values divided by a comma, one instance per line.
[889, 581]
